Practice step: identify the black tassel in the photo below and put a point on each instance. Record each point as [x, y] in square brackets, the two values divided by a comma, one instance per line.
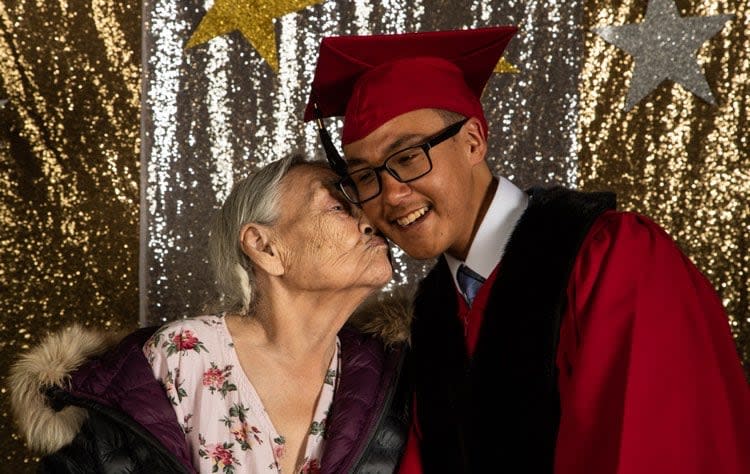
[335, 161]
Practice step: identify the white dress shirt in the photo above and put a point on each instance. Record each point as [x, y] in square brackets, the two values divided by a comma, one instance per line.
[489, 243]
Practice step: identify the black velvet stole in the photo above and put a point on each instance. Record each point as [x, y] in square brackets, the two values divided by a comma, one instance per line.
[500, 409]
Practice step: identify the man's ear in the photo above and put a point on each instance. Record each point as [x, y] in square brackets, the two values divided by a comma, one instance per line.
[257, 243]
[475, 141]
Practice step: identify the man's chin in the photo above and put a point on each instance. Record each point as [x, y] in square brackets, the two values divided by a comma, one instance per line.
[419, 252]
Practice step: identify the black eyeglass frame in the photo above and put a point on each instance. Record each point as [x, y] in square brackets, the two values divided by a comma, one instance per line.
[443, 135]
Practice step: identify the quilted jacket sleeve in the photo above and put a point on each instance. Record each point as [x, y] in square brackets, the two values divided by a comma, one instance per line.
[110, 442]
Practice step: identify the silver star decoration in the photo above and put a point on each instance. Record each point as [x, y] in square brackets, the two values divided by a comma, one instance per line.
[664, 46]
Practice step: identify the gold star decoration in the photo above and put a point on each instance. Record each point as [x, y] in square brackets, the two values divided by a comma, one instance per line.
[505, 67]
[253, 18]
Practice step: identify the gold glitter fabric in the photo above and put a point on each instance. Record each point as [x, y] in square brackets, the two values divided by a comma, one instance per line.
[673, 156]
[69, 190]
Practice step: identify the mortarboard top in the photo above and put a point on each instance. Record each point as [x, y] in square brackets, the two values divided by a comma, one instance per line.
[372, 79]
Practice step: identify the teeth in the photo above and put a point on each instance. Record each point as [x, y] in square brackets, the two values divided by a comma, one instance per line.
[406, 220]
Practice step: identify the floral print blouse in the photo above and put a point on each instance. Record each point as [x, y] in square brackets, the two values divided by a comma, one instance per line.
[221, 414]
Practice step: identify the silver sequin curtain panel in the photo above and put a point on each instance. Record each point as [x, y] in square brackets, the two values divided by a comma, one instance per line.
[217, 110]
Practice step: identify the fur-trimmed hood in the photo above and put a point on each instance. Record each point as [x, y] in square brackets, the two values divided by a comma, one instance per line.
[386, 315]
[49, 364]
[59, 355]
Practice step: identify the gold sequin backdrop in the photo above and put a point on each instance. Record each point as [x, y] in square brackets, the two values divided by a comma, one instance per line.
[74, 165]
[69, 155]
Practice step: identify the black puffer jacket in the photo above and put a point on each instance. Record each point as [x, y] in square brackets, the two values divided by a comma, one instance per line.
[88, 408]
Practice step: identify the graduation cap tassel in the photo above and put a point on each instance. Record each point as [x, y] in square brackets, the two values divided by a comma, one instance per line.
[335, 161]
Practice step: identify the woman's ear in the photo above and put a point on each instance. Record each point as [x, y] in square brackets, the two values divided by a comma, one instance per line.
[475, 140]
[257, 243]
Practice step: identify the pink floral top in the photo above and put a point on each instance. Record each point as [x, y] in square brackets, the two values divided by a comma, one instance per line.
[221, 414]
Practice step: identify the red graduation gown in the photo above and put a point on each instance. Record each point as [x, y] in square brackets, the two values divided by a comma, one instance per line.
[650, 379]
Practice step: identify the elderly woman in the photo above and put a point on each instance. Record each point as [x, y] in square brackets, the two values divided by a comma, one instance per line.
[275, 381]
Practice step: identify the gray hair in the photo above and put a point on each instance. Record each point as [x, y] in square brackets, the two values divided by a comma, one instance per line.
[254, 199]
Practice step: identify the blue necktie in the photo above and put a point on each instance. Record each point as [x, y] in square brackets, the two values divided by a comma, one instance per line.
[469, 281]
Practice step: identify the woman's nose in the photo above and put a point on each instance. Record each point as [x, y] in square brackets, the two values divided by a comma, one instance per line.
[364, 223]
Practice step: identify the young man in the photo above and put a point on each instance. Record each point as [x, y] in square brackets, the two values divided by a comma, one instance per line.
[554, 334]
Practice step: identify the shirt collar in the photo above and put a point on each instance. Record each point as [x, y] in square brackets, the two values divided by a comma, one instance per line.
[489, 243]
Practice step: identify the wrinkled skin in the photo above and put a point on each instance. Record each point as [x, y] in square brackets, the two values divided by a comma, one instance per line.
[325, 243]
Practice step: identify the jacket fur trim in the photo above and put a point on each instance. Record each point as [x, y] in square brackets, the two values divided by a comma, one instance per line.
[50, 364]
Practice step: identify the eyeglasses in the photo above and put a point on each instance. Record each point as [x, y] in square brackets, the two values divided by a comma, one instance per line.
[406, 165]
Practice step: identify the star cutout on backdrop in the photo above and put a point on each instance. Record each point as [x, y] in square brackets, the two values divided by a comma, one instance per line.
[664, 46]
[505, 67]
[253, 18]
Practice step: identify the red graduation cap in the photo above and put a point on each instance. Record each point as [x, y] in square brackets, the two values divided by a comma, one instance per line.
[372, 79]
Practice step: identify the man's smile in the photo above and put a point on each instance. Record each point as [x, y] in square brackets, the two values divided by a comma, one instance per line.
[411, 217]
